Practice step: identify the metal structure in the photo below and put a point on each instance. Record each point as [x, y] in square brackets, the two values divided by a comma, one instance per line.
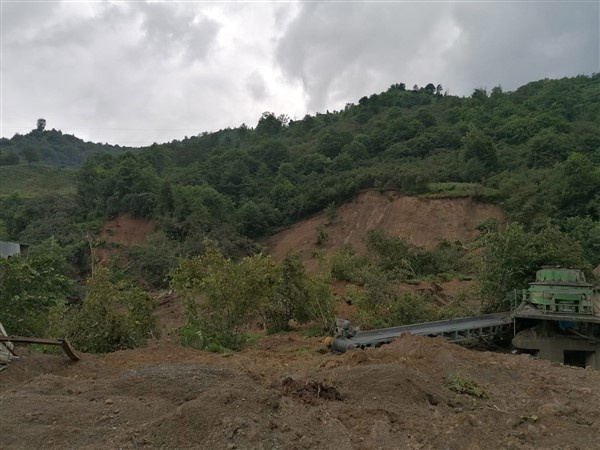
[560, 291]
[558, 319]
[466, 330]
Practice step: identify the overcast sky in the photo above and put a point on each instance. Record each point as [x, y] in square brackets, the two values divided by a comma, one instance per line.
[133, 73]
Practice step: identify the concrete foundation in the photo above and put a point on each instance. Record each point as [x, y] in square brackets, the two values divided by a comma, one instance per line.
[572, 350]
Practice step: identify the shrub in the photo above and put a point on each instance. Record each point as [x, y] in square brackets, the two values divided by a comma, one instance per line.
[511, 258]
[113, 316]
[347, 265]
[234, 295]
[381, 304]
[30, 288]
[155, 259]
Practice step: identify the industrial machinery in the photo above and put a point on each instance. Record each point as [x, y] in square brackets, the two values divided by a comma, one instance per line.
[558, 319]
[561, 291]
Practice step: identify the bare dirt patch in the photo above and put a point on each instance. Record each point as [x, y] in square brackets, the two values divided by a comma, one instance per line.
[422, 222]
[126, 230]
[283, 393]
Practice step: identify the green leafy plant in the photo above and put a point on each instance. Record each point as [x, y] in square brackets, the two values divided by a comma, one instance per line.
[322, 236]
[29, 289]
[113, 316]
[458, 383]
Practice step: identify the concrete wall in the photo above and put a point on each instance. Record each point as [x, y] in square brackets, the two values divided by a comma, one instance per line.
[559, 348]
[8, 249]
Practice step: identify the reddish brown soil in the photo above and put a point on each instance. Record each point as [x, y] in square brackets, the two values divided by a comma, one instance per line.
[283, 393]
[422, 222]
[126, 230]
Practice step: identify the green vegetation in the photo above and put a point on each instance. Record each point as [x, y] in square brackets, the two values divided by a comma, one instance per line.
[223, 298]
[29, 289]
[49, 147]
[534, 151]
[30, 181]
[462, 385]
[511, 256]
[114, 315]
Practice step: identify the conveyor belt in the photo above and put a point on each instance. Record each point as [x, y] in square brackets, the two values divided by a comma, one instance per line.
[456, 330]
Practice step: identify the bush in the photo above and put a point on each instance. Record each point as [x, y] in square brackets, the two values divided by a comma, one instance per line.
[347, 265]
[29, 289]
[234, 295]
[113, 316]
[154, 260]
[381, 304]
[238, 294]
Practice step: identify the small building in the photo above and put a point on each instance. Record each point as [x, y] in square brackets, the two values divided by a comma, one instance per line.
[9, 249]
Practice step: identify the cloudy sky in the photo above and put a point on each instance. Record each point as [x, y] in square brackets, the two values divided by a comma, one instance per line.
[134, 72]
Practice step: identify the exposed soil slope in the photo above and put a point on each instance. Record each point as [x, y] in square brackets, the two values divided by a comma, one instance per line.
[284, 394]
[422, 222]
[126, 230]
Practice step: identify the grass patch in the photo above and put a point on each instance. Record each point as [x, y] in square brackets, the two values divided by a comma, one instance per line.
[459, 190]
[312, 332]
[34, 180]
[303, 350]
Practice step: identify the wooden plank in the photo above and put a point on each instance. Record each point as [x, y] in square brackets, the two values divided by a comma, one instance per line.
[66, 346]
[30, 340]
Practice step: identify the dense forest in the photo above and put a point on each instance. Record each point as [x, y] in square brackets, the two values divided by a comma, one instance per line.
[50, 147]
[534, 151]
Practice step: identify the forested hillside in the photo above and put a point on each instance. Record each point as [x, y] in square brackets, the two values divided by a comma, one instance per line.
[50, 147]
[535, 152]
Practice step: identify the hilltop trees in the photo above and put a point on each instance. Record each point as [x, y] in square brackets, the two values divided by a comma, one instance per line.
[40, 125]
[31, 155]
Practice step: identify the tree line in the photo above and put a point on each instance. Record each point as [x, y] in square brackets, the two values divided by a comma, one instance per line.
[534, 151]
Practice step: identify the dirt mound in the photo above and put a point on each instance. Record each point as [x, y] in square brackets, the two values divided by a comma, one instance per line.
[283, 393]
[423, 222]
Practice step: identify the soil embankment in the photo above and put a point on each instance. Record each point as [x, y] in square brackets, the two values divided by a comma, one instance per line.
[422, 222]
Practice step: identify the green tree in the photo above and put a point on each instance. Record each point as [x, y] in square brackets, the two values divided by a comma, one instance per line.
[235, 294]
[480, 148]
[30, 154]
[29, 289]
[269, 124]
[548, 147]
[331, 142]
[581, 178]
[511, 258]
[41, 125]
[114, 315]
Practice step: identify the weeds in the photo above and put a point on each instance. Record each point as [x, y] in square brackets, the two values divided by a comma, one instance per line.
[463, 385]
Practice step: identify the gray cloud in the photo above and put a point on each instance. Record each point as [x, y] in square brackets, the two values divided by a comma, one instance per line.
[135, 73]
[257, 86]
[341, 51]
[174, 30]
[513, 43]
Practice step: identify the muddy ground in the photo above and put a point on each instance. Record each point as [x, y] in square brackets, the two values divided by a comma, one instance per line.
[285, 393]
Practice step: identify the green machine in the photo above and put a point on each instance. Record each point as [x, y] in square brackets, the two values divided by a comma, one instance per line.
[561, 291]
